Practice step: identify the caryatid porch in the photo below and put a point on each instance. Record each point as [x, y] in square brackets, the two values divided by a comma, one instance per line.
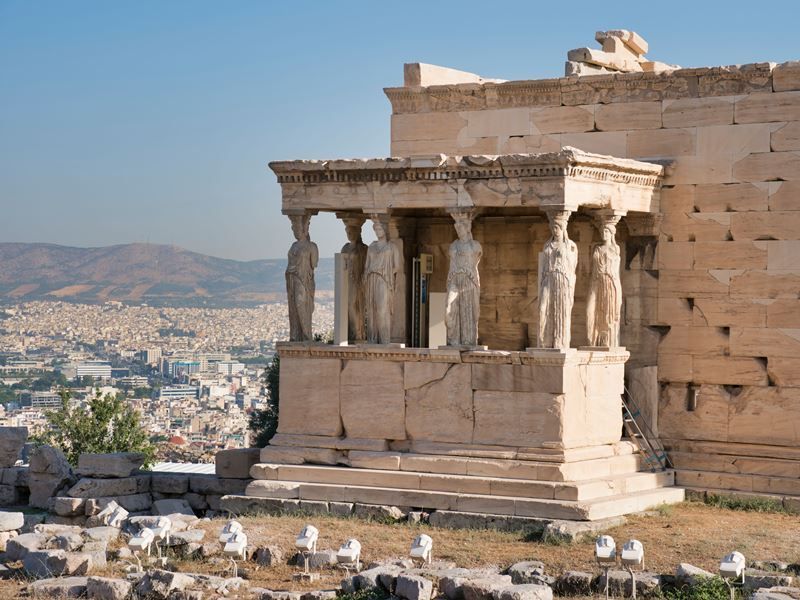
[511, 428]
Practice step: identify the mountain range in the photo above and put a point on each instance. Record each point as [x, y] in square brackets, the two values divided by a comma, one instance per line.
[154, 274]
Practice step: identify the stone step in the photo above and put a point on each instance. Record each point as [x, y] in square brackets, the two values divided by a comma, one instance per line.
[624, 463]
[736, 464]
[470, 503]
[743, 482]
[465, 484]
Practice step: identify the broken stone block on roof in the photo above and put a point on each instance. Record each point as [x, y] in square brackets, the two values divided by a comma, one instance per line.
[622, 51]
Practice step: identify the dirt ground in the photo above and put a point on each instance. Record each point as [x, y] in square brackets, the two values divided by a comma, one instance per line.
[689, 532]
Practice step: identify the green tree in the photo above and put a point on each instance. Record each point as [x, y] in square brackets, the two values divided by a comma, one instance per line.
[105, 424]
[264, 423]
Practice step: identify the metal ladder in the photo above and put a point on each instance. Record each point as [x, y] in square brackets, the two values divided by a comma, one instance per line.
[655, 456]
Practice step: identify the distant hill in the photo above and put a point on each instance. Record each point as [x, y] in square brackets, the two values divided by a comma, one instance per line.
[142, 273]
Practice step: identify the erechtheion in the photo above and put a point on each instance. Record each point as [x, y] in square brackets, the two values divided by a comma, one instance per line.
[542, 246]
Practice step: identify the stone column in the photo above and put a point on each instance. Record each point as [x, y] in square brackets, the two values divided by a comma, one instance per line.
[302, 260]
[462, 310]
[558, 262]
[604, 302]
[354, 257]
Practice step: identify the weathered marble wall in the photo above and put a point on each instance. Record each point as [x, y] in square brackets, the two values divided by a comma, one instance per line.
[717, 304]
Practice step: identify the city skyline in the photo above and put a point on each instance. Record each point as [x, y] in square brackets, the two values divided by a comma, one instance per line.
[155, 122]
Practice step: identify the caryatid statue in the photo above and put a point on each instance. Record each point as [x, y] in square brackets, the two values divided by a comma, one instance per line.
[463, 285]
[604, 304]
[354, 253]
[303, 259]
[382, 268]
[558, 262]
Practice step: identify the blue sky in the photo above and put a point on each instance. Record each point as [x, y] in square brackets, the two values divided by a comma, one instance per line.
[153, 120]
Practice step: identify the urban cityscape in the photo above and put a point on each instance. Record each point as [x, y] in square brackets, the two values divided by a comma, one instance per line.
[194, 374]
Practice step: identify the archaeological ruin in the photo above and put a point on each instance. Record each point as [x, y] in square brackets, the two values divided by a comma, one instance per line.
[545, 249]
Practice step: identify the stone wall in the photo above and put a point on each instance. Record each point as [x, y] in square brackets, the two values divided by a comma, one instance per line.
[712, 297]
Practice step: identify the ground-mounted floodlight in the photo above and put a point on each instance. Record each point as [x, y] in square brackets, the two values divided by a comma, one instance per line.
[422, 549]
[632, 556]
[236, 547]
[161, 532]
[104, 516]
[117, 517]
[731, 569]
[306, 542]
[605, 552]
[141, 544]
[230, 528]
[349, 555]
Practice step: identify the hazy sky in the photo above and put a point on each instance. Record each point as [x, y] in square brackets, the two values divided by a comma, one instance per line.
[153, 120]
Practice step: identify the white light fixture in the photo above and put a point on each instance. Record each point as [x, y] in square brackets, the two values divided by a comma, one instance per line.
[307, 539]
[633, 554]
[732, 566]
[230, 528]
[349, 555]
[117, 517]
[236, 547]
[605, 550]
[422, 549]
[141, 544]
[105, 515]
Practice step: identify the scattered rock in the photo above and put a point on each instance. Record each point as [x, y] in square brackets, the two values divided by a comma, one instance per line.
[12, 439]
[69, 542]
[18, 547]
[104, 588]
[11, 521]
[758, 580]
[527, 572]
[378, 512]
[42, 564]
[367, 579]
[101, 534]
[485, 587]
[525, 591]
[65, 506]
[574, 583]
[412, 587]
[316, 560]
[49, 472]
[160, 584]
[59, 587]
[776, 593]
[117, 464]
[192, 536]
[268, 556]
[98, 550]
[170, 506]
[4, 537]
[619, 583]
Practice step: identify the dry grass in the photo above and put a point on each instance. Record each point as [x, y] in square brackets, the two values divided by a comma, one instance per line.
[689, 532]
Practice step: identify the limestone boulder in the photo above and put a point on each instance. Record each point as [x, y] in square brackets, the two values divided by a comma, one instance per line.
[12, 439]
[49, 472]
[18, 547]
[525, 591]
[69, 542]
[268, 556]
[101, 534]
[4, 537]
[105, 588]
[41, 564]
[169, 506]
[412, 587]
[160, 584]
[687, 574]
[115, 464]
[65, 506]
[619, 583]
[776, 593]
[89, 487]
[317, 560]
[182, 538]
[484, 588]
[59, 587]
[11, 521]
[574, 583]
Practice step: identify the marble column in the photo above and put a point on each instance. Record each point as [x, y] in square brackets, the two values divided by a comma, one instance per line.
[558, 262]
[302, 260]
[604, 302]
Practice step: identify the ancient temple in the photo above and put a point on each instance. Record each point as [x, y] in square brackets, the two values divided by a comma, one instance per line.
[484, 340]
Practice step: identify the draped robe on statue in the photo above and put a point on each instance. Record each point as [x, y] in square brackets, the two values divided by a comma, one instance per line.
[463, 293]
[303, 257]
